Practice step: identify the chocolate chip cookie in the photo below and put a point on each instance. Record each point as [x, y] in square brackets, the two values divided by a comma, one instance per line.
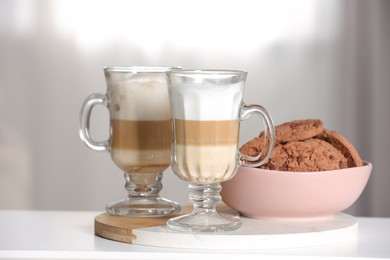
[305, 146]
[298, 130]
[310, 155]
[343, 145]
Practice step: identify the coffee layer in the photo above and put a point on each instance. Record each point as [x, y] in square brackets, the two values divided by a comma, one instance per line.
[140, 135]
[209, 133]
[150, 161]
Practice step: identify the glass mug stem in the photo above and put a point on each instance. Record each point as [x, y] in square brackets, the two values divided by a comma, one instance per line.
[143, 185]
[204, 197]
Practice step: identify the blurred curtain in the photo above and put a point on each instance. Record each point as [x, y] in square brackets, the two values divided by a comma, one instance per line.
[365, 74]
[329, 56]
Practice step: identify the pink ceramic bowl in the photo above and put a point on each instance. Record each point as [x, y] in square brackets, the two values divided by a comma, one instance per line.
[259, 193]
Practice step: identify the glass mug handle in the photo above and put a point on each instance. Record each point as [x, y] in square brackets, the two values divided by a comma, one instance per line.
[85, 115]
[269, 136]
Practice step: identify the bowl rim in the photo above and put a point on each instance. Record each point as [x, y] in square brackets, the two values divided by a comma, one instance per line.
[250, 170]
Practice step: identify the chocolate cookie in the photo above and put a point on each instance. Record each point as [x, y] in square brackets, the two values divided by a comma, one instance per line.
[306, 156]
[343, 145]
[277, 160]
[305, 146]
[298, 130]
[253, 147]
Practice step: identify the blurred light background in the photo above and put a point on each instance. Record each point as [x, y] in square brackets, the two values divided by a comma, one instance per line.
[305, 59]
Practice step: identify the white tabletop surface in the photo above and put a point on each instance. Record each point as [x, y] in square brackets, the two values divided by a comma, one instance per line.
[70, 235]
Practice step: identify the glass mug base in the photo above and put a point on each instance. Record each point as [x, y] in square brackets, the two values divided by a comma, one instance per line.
[143, 199]
[204, 222]
[204, 216]
[143, 207]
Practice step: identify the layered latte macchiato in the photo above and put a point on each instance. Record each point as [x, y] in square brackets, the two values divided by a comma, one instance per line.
[140, 136]
[206, 109]
[206, 123]
[140, 123]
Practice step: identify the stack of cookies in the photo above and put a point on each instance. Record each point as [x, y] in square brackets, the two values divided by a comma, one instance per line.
[306, 146]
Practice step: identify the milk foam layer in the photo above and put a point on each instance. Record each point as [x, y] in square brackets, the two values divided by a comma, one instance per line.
[138, 96]
[206, 102]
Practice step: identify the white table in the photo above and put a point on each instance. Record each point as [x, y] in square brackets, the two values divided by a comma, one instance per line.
[70, 235]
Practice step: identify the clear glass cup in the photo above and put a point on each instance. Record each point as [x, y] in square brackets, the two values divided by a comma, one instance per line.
[140, 136]
[206, 109]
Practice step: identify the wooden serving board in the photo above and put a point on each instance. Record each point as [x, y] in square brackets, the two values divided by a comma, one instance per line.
[120, 228]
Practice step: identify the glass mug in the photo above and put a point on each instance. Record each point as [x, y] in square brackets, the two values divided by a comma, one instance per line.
[206, 109]
[140, 136]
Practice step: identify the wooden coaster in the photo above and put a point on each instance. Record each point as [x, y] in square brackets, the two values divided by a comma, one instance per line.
[120, 228]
